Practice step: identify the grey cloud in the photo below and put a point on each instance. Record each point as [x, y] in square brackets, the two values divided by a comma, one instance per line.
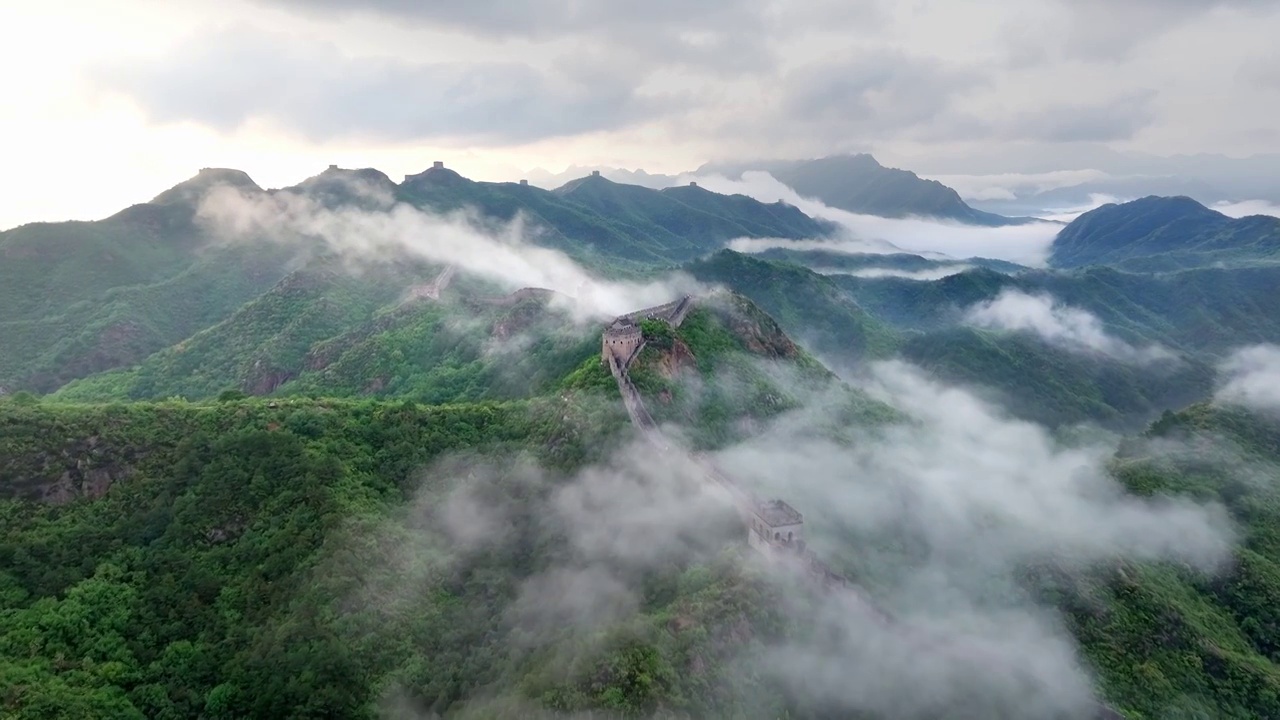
[724, 33]
[1100, 30]
[1118, 119]
[870, 91]
[227, 78]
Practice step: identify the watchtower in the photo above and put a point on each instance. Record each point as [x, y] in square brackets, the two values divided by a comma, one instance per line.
[775, 525]
[333, 167]
[620, 340]
[595, 173]
[524, 181]
[437, 165]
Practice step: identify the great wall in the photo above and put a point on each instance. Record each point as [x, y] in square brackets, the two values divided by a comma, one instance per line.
[774, 528]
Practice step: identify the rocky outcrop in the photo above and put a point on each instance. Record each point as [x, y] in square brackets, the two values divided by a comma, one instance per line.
[81, 468]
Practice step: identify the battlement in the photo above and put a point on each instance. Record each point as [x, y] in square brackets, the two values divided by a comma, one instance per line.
[620, 341]
[777, 513]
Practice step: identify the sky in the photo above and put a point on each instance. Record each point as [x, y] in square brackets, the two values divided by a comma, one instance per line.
[107, 104]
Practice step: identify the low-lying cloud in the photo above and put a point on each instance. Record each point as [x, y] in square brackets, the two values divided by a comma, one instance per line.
[1251, 378]
[936, 517]
[1245, 208]
[1059, 324]
[1011, 186]
[1023, 244]
[498, 252]
[934, 273]
[942, 513]
[1067, 214]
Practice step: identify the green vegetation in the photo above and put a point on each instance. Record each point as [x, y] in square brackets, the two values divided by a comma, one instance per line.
[729, 368]
[808, 306]
[287, 560]
[1171, 643]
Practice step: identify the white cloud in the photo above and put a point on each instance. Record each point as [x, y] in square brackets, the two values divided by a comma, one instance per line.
[502, 253]
[1252, 378]
[936, 273]
[1024, 244]
[1066, 215]
[1244, 208]
[1060, 324]
[942, 513]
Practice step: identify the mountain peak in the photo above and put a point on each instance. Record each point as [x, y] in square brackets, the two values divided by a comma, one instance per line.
[1161, 232]
[437, 174]
[207, 178]
[594, 180]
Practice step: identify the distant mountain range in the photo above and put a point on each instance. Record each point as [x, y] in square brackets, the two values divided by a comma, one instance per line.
[855, 183]
[860, 184]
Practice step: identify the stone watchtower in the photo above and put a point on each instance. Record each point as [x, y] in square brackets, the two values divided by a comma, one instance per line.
[620, 340]
[776, 525]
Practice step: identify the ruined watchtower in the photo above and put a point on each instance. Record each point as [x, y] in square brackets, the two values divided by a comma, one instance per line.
[620, 340]
[776, 525]
[437, 165]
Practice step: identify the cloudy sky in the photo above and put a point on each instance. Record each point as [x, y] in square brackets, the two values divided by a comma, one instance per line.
[105, 104]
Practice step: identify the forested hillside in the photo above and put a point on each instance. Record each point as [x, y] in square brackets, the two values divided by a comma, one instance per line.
[1157, 234]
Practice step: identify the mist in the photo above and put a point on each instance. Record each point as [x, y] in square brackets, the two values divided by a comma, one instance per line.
[940, 514]
[936, 516]
[1251, 378]
[1245, 208]
[504, 253]
[1059, 324]
[1023, 244]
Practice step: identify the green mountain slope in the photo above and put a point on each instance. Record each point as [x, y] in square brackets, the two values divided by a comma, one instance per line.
[859, 184]
[1171, 644]
[117, 290]
[1202, 311]
[609, 225]
[808, 306]
[1157, 234]
[1056, 387]
[264, 343]
[78, 298]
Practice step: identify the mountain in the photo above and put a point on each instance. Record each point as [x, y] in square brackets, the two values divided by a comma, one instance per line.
[1204, 312]
[859, 184]
[1157, 234]
[255, 558]
[807, 305]
[81, 297]
[604, 224]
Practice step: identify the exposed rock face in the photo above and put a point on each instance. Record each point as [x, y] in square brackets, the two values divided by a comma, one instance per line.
[673, 361]
[264, 380]
[83, 468]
